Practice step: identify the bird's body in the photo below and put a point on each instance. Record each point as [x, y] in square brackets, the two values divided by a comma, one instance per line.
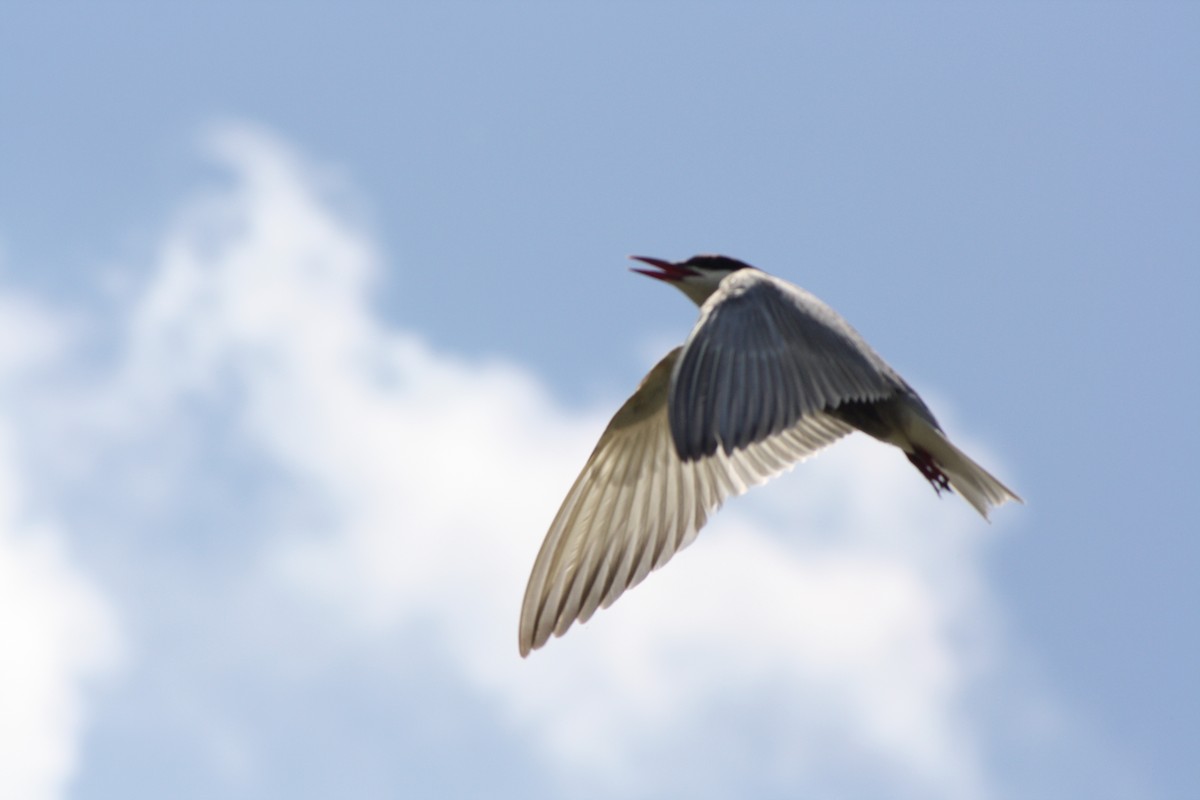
[768, 376]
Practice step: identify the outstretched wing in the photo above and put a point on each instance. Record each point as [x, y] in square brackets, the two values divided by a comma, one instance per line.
[636, 504]
[764, 356]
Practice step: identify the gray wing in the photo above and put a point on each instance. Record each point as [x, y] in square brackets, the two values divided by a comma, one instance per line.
[763, 356]
[636, 504]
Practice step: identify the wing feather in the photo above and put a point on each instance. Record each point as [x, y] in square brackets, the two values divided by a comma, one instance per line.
[763, 355]
[636, 504]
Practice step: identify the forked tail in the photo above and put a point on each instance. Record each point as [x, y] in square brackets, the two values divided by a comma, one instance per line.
[947, 467]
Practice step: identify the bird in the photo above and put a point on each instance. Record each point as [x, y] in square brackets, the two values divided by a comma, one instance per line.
[768, 376]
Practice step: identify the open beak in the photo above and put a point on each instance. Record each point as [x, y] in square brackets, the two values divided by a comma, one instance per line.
[667, 270]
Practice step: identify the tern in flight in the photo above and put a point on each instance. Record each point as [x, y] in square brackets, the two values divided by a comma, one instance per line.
[768, 376]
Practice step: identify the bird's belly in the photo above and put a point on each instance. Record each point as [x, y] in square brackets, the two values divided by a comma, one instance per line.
[883, 419]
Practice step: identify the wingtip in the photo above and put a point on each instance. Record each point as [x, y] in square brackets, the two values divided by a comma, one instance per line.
[525, 644]
[525, 647]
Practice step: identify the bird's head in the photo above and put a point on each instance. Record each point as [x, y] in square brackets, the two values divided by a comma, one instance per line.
[698, 277]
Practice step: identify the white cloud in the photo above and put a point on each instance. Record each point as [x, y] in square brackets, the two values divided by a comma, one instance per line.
[844, 605]
[57, 632]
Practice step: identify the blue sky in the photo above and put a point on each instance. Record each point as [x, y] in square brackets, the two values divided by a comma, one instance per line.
[310, 314]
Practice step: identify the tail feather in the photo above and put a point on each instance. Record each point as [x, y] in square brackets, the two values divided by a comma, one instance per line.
[977, 486]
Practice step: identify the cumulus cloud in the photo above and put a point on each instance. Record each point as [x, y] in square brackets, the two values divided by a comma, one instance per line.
[58, 633]
[832, 620]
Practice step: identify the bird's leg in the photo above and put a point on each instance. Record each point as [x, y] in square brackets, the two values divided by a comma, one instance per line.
[923, 461]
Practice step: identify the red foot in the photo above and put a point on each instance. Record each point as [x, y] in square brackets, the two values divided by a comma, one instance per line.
[929, 468]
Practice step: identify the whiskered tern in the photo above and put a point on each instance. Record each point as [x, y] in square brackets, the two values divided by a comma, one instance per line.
[768, 376]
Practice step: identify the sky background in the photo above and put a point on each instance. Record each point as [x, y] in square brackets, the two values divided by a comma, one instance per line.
[311, 313]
